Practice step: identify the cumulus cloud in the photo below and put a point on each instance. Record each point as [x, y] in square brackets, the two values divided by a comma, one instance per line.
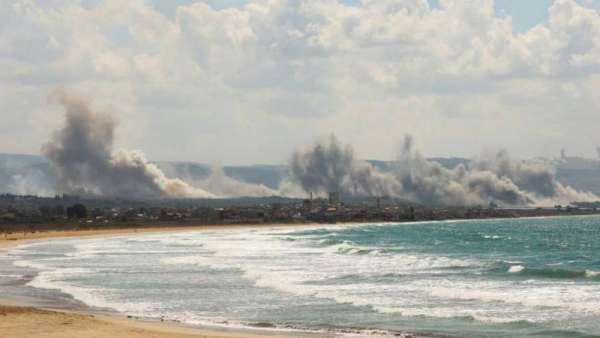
[265, 69]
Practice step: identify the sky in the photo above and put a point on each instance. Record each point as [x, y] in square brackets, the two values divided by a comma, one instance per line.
[249, 81]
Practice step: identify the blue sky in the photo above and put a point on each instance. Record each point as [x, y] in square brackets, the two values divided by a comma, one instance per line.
[525, 13]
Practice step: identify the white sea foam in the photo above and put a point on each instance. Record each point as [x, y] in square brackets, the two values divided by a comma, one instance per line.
[516, 268]
[284, 266]
[288, 266]
[592, 274]
[94, 297]
[29, 264]
[420, 285]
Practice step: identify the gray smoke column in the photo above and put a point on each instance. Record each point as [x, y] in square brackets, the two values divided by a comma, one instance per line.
[497, 178]
[84, 162]
[329, 166]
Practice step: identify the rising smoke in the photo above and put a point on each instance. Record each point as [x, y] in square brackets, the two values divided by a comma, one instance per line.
[330, 167]
[493, 178]
[498, 178]
[84, 161]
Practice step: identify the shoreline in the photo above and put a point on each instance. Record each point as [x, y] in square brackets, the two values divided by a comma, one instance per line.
[18, 321]
[37, 319]
[67, 231]
[19, 318]
[90, 322]
[60, 230]
[17, 238]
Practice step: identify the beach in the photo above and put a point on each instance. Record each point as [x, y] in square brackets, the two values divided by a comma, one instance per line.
[456, 278]
[17, 238]
[21, 320]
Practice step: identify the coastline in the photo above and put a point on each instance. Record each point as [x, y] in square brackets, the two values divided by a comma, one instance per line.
[26, 319]
[19, 319]
[67, 230]
[17, 238]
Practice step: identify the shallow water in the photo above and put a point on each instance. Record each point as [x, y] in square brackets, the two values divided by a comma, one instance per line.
[490, 278]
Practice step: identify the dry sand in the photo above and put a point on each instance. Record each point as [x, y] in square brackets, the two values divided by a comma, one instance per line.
[27, 322]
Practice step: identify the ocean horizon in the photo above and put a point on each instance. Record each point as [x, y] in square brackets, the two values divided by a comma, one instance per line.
[474, 278]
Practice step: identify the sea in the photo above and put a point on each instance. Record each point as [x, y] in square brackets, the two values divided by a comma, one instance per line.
[529, 277]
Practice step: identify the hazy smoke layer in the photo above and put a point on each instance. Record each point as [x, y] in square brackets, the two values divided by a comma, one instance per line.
[221, 184]
[30, 182]
[83, 159]
[497, 178]
[429, 182]
[217, 181]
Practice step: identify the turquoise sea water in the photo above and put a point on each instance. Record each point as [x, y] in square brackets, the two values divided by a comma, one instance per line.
[536, 277]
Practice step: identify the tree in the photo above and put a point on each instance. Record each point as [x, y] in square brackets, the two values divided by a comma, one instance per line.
[45, 210]
[77, 211]
[59, 210]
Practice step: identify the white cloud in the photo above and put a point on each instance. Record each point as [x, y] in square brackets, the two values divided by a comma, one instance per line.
[249, 83]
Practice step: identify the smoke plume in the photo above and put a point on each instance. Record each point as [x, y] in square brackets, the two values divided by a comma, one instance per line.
[84, 161]
[328, 167]
[496, 178]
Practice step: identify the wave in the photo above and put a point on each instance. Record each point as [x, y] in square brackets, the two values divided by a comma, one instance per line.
[352, 249]
[12, 276]
[516, 268]
[373, 279]
[345, 246]
[554, 273]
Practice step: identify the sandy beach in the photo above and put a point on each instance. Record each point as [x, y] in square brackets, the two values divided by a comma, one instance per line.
[19, 320]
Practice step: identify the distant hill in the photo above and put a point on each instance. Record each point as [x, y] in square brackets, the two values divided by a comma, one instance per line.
[579, 173]
[37, 168]
[15, 167]
[19, 161]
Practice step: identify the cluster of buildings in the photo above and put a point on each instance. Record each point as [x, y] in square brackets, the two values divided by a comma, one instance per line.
[40, 212]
